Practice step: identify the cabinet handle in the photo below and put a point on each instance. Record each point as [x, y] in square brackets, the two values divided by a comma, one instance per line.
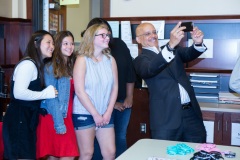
[226, 125]
[218, 125]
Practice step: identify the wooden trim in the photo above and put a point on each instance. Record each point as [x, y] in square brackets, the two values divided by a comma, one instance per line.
[10, 20]
[200, 64]
[106, 14]
[29, 9]
[208, 116]
[218, 128]
[106, 8]
[177, 18]
[63, 14]
[8, 66]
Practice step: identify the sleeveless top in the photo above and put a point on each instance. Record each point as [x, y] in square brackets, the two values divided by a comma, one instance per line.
[98, 85]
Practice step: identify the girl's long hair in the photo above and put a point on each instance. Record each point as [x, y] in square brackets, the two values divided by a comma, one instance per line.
[33, 51]
[87, 46]
[61, 66]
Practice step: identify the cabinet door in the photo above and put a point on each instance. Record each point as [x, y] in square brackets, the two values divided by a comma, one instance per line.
[231, 129]
[57, 20]
[214, 132]
[139, 115]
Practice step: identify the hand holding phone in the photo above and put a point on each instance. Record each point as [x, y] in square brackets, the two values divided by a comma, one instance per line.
[189, 26]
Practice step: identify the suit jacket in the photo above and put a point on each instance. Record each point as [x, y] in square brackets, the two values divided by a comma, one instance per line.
[162, 79]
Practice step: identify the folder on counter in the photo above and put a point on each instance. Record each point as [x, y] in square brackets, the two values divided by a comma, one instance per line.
[203, 75]
[206, 86]
[229, 98]
[208, 95]
[229, 95]
[196, 78]
[228, 102]
[210, 100]
[212, 97]
[203, 81]
[204, 78]
[203, 86]
[206, 90]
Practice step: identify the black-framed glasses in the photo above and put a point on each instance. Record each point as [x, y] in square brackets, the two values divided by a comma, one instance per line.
[104, 35]
[148, 34]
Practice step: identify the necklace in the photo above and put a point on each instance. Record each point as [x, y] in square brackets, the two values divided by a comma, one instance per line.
[97, 58]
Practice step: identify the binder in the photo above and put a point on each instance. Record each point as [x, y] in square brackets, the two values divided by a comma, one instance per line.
[206, 86]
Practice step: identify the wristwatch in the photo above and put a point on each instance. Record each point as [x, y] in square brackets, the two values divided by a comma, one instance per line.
[169, 48]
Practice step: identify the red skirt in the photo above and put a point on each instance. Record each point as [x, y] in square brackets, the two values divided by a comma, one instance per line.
[59, 145]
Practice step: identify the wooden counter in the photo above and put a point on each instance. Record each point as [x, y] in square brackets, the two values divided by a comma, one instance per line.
[221, 117]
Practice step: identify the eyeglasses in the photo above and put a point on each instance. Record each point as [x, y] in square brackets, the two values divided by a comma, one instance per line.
[148, 34]
[104, 35]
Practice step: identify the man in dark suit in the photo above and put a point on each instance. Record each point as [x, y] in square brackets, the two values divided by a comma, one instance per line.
[174, 111]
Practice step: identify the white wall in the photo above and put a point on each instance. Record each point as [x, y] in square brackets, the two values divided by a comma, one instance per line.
[13, 8]
[143, 8]
[22, 9]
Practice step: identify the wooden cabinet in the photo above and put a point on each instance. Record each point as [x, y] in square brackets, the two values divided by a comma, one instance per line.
[140, 115]
[223, 132]
[57, 19]
[14, 36]
[223, 117]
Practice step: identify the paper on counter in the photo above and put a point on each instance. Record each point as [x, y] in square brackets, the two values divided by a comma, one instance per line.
[203, 75]
[202, 81]
[199, 86]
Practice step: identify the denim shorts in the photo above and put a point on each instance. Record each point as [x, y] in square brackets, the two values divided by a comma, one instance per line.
[84, 121]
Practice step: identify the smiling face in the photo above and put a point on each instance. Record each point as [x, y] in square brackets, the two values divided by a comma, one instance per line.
[101, 39]
[147, 35]
[47, 46]
[67, 47]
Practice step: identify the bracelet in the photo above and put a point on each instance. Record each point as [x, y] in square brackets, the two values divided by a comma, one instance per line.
[169, 48]
[207, 155]
[230, 154]
[179, 149]
[207, 147]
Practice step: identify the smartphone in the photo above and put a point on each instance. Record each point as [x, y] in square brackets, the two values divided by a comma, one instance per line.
[188, 25]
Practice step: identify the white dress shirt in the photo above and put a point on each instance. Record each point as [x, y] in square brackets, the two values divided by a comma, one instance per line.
[169, 56]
